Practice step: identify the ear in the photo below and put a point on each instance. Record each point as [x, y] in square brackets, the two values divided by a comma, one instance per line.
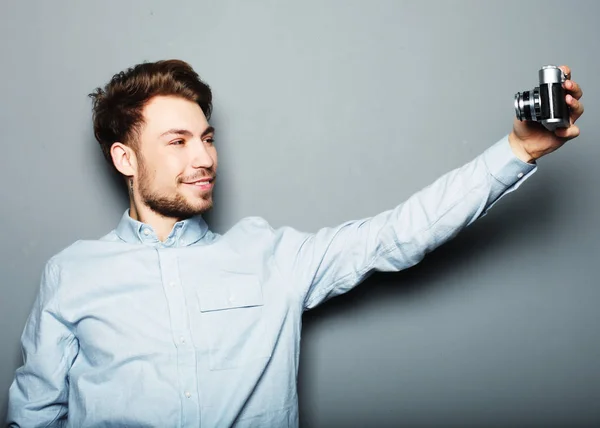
[124, 159]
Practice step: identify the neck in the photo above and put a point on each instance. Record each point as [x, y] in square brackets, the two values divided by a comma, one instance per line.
[162, 225]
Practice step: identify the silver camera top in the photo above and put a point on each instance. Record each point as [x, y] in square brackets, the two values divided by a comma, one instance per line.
[551, 74]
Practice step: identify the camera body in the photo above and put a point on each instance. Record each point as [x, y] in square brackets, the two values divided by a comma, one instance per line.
[545, 103]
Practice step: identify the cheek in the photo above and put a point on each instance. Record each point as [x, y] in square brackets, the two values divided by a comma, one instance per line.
[165, 174]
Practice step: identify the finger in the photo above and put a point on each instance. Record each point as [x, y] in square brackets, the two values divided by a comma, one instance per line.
[568, 133]
[573, 88]
[575, 106]
[567, 70]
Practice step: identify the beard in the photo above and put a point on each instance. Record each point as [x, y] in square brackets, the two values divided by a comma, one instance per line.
[173, 205]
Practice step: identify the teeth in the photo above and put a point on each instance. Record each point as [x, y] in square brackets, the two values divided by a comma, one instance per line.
[200, 183]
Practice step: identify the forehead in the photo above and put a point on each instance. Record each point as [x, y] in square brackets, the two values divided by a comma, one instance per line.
[162, 113]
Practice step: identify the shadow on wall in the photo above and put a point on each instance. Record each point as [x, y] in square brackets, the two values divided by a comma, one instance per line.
[493, 230]
[497, 229]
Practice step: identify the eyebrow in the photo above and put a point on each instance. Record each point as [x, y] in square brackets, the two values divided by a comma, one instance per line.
[186, 133]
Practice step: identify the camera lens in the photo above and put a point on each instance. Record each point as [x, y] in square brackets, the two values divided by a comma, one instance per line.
[527, 105]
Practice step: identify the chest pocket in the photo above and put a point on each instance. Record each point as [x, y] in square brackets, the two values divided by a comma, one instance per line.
[233, 320]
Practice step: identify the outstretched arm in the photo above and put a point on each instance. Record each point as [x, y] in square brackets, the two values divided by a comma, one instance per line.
[333, 260]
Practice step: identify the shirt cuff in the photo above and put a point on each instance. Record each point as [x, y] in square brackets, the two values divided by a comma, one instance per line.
[504, 165]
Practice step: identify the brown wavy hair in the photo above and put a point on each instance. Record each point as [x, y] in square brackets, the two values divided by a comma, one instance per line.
[117, 108]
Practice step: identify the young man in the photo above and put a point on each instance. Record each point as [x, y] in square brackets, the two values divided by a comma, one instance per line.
[165, 323]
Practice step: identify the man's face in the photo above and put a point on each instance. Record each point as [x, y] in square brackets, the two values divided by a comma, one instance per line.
[177, 160]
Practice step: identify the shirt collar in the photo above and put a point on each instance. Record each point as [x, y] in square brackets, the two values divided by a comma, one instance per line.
[184, 232]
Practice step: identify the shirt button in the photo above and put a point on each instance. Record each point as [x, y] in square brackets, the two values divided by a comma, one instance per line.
[182, 340]
[146, 232]
[520, 175]
[187, 394]
[172, 284]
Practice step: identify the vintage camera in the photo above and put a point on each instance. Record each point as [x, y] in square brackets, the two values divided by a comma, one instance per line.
[546, 103]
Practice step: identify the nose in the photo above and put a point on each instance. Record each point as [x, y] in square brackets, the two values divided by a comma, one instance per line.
[201, 156]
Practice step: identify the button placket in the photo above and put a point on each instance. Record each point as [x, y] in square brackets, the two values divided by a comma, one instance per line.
[181, 336]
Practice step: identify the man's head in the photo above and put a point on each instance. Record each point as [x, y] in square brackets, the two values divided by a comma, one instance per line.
[152, 124]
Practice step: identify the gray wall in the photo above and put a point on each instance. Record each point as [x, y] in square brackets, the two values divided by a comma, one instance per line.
[329, 111]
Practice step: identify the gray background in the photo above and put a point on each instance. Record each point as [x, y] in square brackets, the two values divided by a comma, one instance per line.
[329, 111]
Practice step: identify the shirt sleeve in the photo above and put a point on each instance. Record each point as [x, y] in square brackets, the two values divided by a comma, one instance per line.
[333, 260]
[38, 396]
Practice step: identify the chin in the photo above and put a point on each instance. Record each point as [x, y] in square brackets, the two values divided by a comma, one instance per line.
[203, 206]
[206, 207]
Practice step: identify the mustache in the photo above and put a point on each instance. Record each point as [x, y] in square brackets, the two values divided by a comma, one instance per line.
[204, 174]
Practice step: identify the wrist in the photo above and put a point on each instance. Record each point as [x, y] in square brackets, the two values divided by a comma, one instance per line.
[517, 146]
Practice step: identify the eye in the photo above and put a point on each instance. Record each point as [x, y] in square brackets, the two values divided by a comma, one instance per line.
[210, 140]
[177, 142]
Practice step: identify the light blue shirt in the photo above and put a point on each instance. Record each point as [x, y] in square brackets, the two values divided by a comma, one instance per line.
[204, 329]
